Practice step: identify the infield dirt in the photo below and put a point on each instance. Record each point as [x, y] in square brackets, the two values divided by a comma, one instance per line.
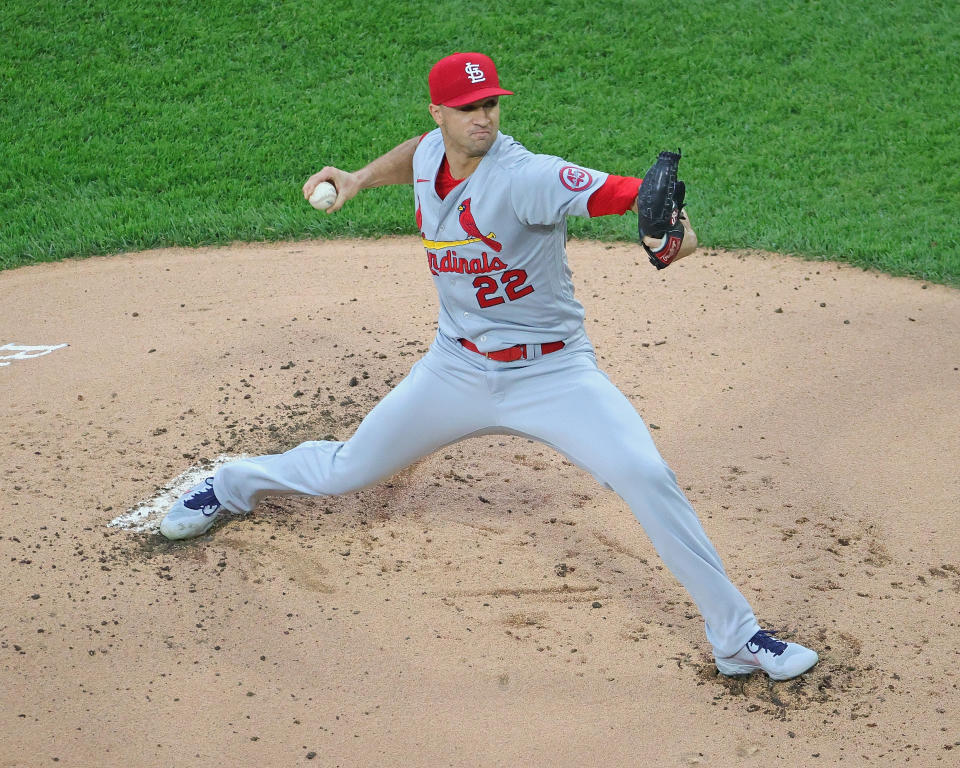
[491, 605]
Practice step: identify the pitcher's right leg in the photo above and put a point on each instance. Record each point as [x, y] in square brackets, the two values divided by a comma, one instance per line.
[430, 408]
[438, 403]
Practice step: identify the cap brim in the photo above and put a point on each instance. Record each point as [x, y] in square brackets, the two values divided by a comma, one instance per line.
[478, 95]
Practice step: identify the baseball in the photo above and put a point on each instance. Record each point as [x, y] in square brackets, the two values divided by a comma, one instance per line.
[323, 196]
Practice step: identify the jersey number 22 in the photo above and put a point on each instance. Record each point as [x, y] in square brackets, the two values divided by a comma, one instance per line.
[488, 292]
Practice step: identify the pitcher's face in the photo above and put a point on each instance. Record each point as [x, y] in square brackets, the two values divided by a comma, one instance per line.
[470, 129]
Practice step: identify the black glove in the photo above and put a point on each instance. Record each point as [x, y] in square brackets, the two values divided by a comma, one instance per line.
[659, 203]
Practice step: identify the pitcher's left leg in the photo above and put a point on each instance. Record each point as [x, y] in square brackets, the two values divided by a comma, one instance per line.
[578, 411]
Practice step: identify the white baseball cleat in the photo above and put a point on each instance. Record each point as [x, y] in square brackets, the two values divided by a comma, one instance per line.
[193, 513]
[780, 660]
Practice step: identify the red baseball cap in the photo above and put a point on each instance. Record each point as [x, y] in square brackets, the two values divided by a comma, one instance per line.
[464, 78]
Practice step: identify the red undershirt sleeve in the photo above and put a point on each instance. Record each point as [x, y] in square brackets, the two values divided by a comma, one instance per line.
[615, 196]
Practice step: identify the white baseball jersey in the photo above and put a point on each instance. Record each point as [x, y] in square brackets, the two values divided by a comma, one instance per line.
[496, 245]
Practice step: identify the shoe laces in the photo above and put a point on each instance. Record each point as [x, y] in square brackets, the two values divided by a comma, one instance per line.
[204, 500]
[764, 641]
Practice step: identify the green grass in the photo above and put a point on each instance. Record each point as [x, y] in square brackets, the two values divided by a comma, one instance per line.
[825, 129]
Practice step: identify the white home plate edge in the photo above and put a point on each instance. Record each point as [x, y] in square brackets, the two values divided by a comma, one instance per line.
[146, 515]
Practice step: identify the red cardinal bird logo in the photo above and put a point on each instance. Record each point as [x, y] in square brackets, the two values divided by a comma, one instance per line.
[471, 228]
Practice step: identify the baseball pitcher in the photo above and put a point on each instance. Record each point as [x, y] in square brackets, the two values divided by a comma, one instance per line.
[511, 355]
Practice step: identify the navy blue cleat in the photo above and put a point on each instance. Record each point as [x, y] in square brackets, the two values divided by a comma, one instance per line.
[193, 513]
[780, 660]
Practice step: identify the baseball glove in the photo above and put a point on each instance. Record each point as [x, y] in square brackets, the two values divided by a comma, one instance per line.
[659, 204]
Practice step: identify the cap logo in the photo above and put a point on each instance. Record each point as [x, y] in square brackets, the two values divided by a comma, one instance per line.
[474, 73]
